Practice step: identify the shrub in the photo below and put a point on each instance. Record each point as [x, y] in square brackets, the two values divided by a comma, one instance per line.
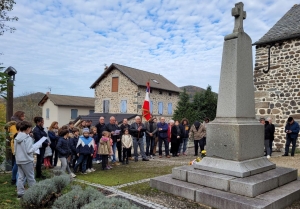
[44, 192]
[111, 203]
[77, 198]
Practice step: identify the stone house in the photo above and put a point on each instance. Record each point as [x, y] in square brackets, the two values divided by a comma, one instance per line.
[277, 73]
[63, 108]
[122, 89]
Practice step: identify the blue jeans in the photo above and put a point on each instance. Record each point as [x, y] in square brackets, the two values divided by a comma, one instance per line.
[82, 159]
[289, 140]
[149, 145]
[14, 172]
[114, 151]
[184, 144]
[160, 141]
[136, 144]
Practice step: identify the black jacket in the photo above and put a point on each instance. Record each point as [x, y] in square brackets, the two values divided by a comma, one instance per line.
[185, 129]
[73, 143]
[272, 131]
[38, 132]
[63, 147]
[134, 130]
[175, 134]
[268, 131]
[53, 138]
[113, 127]
[154, 131]
[100, 129]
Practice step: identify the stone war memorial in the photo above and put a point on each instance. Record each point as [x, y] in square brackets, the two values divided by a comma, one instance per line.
[235, 174]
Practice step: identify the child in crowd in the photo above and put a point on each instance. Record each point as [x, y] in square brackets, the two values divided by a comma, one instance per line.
[64, 151]
[73, 143]
[24, 150]
[84, 149]
[90, 158]
[126, 143]
[105, 149]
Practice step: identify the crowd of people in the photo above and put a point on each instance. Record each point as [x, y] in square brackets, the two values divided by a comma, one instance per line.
[109, 143]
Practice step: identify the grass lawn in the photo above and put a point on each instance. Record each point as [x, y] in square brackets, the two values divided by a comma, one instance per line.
[8, 197]
[123, 174]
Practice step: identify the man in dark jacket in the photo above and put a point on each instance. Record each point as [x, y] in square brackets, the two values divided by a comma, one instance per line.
[124, 126]
[137, 130]
[115, 135]
[162, 129]
[73, 143]
[151, 129]
[268, 133]
[292, 131]
[185, 129]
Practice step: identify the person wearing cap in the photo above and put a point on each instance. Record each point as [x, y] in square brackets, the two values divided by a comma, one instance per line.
[292, 131]
[84, 148]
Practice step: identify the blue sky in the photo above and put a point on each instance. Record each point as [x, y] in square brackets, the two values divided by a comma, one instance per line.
[64, 44]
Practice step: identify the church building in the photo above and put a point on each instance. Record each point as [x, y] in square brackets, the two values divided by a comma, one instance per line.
[277, 73]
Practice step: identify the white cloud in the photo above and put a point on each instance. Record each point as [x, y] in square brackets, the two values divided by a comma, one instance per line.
[64, 44]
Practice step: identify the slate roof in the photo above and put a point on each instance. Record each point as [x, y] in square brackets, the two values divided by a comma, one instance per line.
[286, 28]
[140, 78]
[94, 117]
[64, 100]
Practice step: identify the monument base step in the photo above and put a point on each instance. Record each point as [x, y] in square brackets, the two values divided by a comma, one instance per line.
[278, 198]
[235, 168]
[249, 186]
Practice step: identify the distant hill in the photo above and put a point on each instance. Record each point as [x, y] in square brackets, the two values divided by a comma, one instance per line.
[191, 90]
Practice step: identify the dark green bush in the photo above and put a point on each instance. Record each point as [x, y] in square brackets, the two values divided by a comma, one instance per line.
[77, 198]
[44, 192]
[111, 203]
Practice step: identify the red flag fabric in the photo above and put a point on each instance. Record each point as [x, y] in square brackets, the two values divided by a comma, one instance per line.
[146, 105]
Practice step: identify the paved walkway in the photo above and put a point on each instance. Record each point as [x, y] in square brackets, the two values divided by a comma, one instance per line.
[116, 192]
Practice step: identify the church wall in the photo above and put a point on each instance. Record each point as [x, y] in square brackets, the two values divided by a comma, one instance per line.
[277, 93]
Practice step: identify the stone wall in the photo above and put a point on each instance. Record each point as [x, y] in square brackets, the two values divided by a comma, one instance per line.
[278, 92]
[133, 94]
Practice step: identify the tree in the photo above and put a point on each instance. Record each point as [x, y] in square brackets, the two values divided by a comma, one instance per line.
[28, 102]
[210, 103]
[198, 107]
[183, 108]
[5, 7]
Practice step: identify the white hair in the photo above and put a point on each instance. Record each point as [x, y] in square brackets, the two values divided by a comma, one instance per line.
[171, 121]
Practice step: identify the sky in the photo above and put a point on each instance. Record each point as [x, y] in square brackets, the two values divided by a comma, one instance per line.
[63, 45]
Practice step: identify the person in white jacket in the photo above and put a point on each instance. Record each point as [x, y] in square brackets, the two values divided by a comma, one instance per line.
[127, 144]
[24, 150]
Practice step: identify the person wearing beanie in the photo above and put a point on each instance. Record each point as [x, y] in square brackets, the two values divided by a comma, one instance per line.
[84, 148]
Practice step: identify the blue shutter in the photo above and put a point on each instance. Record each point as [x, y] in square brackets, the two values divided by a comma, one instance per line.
[105, 106]
[47, 113]
[151, 107]
[170, 110]
[123, 106]
[160, 108]
[74, 113]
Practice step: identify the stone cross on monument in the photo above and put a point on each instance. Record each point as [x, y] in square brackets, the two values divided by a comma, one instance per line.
[235, 173]
[239, 14]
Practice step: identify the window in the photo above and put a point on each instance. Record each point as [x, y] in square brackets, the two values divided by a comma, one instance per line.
[160, 108]
[74, 113]
[91, 111]
[160, 92]
[105, 106]
[170, 109]
[47, 113]
[151, 107]
[115, 84]
[123, 106]
[170, 94]
[155, 81]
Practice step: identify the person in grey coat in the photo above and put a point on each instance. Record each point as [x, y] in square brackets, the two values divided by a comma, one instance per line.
[24, 150]
[137, 130]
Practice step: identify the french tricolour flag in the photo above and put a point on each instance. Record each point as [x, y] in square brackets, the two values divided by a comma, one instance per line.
[146, 105]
